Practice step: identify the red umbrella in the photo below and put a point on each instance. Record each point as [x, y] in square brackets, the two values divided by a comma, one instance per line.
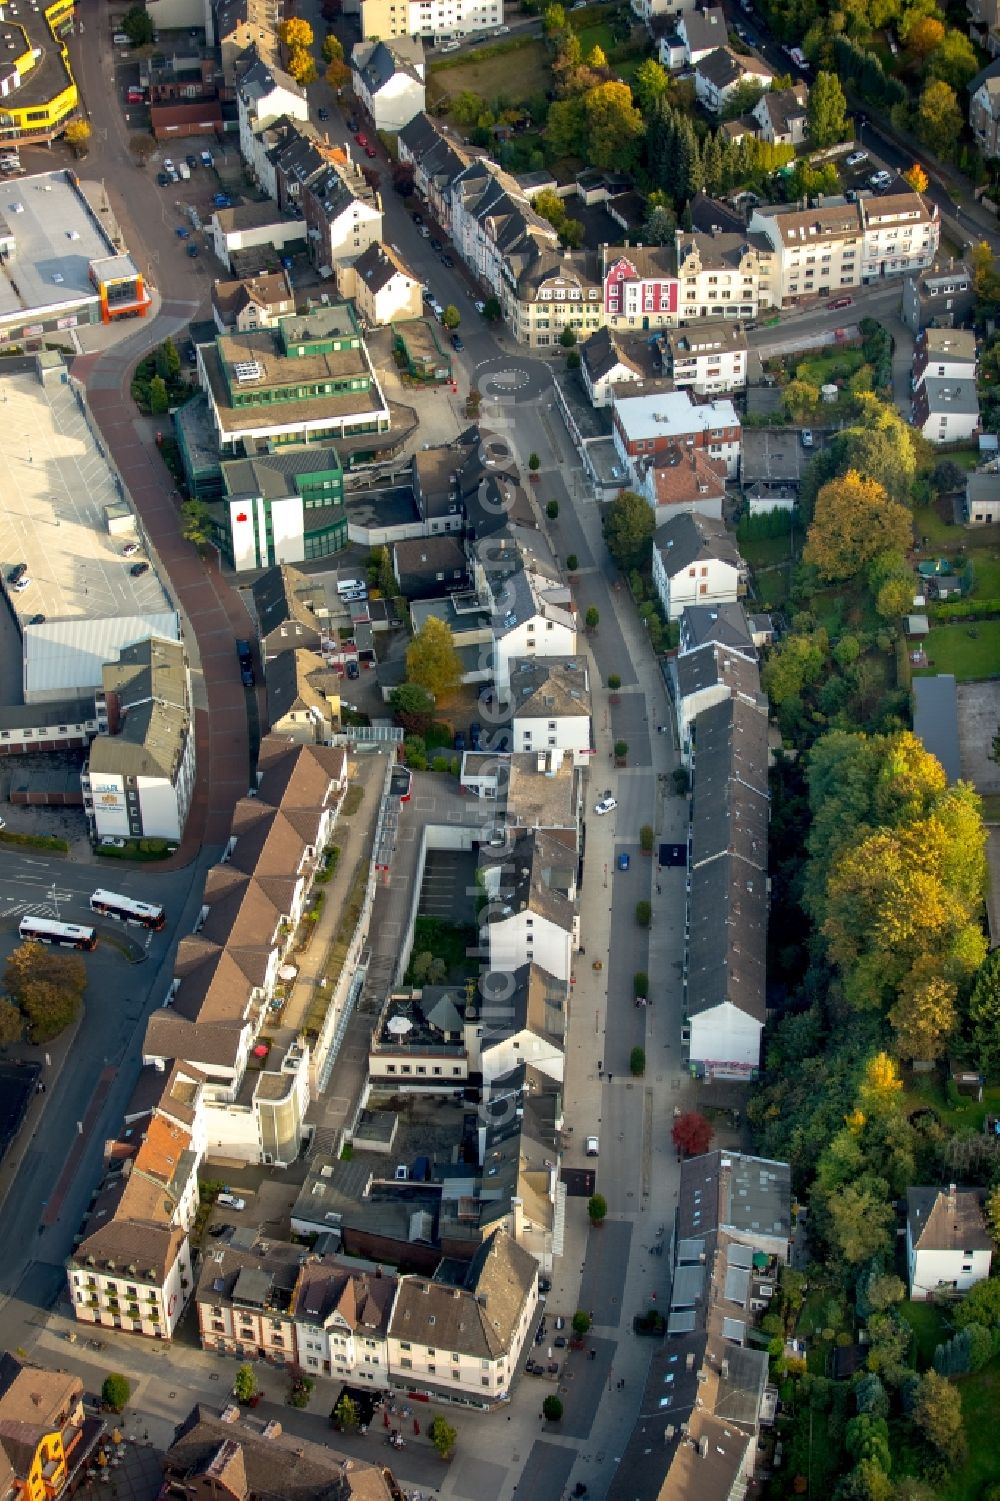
[261, 1050]
[385, 1420]
[416, 1428]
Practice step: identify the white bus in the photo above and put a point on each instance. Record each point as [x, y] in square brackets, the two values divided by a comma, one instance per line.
[124, 909]
[66, 934]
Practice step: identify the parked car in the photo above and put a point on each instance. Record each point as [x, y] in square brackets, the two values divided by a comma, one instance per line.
[436, 246]
[192, 252]
[218, 1230]
[459, 741]
[245, 659]
[37, 620]
[182, 233]
[361, 139]
[447, 262]
[109, 842]
[856, 158]
[479, 305]
[592, 1147]
[138, 569]
[840, 302]
[191, 159]
[22, 584]
[322, 113]
[423, 231]
[18, 571]
[418, 219]
[475, 735]
[352, 124]
[162, 180]
[623, 861]
[607, 804]
[427, 295]
[370, 152]
[231, 1201]
[353, 670]
[130, 549]
[457, 343]
[806, 437]
[207, 159]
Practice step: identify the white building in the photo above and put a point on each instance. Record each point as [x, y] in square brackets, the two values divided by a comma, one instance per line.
[430, 19]
[531, 914]
[265, 94]
[343, 216]
[705, 677]
[604, 365]
[946, 411]
[719, 74]
[695, 562]
[383, 287]
[462, 1343]
[533, 617]
[725, 274]
[901, 235]
[708, 358]
[701, 32]
[944, 354]
[948, 1247]
[550, 706]
[437, 156]
[388, 79]
[782, 115]
[139, 779]
[644, 426]
[655, 10]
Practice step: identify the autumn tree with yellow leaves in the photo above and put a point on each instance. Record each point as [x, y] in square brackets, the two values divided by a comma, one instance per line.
[854, 521]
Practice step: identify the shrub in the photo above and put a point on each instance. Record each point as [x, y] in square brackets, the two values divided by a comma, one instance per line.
[572, 563]
[614, 682]
[552, 1409]
[621, 750]
[581, 1321]
[115, 1392]
[640, 984]
[245, 1383]
[552, 510]
[597, 1208]
[643, 914]
[646, 838]
[637, 1062]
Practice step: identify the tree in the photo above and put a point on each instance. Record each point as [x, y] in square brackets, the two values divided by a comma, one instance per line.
[338, 75]
[879, 446]
[552, 510]
[534, 463]
[346, 1414]
[925, 1015]
[954, 60]
[115, 1392]
[11, 1023]
[451, 317]
[993, 1214]
[637, 1062]
[937, 1414]
[572, 563]
[650, 84]
[553, 20]
[643, 914]
[797, 662]
[647, 835]
[581, 1322]
[77, 136]
[196, 522]
[597, 1209]
[467, 107]
[659, 225]
[692, 1133]
[138, 26]
[854, 520]
[984, 1014]
[297, 34]
[168, 361]
[614, 126]
[48, 1010]
[981, 1305]
[628, 529]
[923, 37]
[939, 119]
[567, 338]
[47, 987]
[302, 66]
[640, 984]
[492, 312]
[245, 1383]
[596, 58]
[159, 399]
[432, 661]
[565, 125]
[333, 48]
[142, 147]
[827, 111]
[413, 706]
[552, 1409]
[592, 618]
[861, 1217]
[917, 178]
[442, 1435]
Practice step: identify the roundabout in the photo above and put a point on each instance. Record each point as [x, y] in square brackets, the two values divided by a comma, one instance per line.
[511, 379]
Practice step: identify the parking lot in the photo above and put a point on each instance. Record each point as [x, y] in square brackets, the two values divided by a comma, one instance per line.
[56, 487]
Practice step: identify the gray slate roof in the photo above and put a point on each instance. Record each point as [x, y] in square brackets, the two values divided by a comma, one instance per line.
[693, 538]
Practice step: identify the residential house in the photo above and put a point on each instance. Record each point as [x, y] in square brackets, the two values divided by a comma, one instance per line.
[171, 122]
[285, 619]
[818, 251]
[342, 1311]
[708, 674]
[543, 791]
[252, 227]
[724, 625]
[657, 13]
[948, 1246]
[550, 707]
[708, 358]
[531, 913]
[945, 354]
[388, 79]
[719, 74]
[683, 479]
[227, 1454]
[308, 378]
[646, 425]
[495, 229]
[552, 290]
[772, 462]
[343, 215]
[383, 287]
[244, 1299]
[603, 365]
[303, 697]
[436, 19]
[263, 94]
[700, 32]
[298, 156]
[639, 285]
[434, 477]
[245, 31]
[984, 107]
[782, 115]
[982, 498]
[695, 562]
[462, 1342]
[139, 779]
[533, 616]
[940, 297]
[984, 24]
[725, 273]
[946, 411]
[902, 233]
[286, 506]
[428, 566]
[724, 963]
[256, 302]
[44, 1438]
[437, 156]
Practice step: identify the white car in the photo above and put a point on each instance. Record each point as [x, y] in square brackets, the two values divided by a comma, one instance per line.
[880, 179]
[479, 305]
[22, 583]
[423, 231]
[807, 437]
[606, 805]
[130, 549]
[231, 1201]
[593, 1147]
[109, 842]
[856, 158]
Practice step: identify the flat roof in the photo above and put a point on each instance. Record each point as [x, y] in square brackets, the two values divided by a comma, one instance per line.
[69, 655]
[55, 235]
[55, 487]
[935, 720]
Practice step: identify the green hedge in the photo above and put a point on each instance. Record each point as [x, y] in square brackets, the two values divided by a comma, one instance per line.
[965, 609]
[36, 841]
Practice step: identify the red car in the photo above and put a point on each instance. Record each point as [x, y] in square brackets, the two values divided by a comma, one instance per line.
[361, 138]
[370, 152]
[839, 302]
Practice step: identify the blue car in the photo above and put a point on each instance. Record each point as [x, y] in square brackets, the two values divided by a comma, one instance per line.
[623, 861]
[182, 234]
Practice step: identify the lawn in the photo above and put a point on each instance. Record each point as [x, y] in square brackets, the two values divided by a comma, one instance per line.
[971, 652]
[931, 1327]
[986, 575]
[824, 369]
[980, 1405]
[516, 70]
[959, 1114]
[947, 538]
